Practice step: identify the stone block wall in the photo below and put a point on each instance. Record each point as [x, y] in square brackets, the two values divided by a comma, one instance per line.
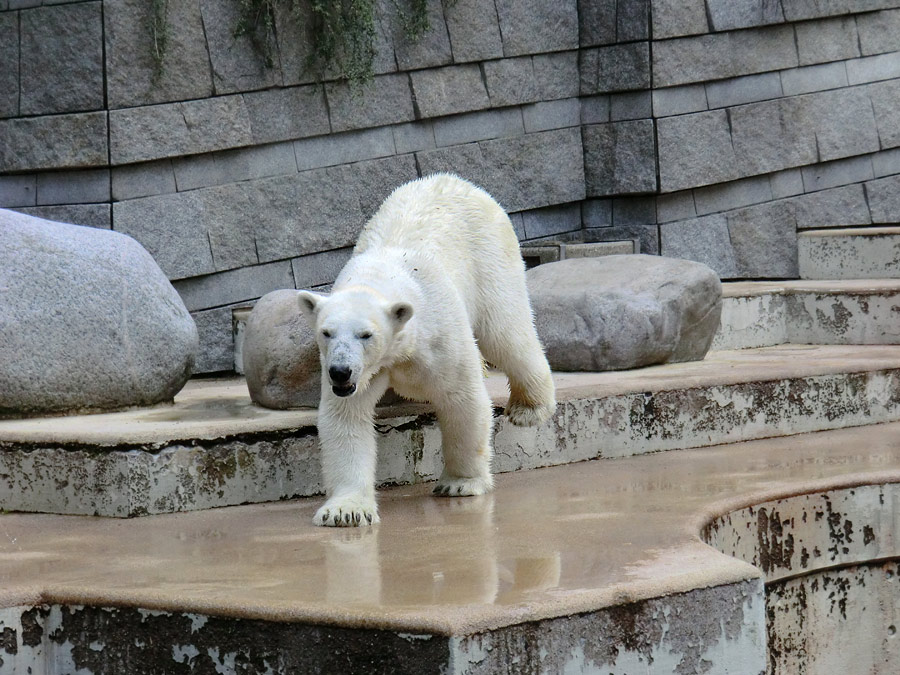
[707, 129]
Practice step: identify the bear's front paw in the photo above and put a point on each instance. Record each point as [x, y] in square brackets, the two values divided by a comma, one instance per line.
[348, 511]
[450, 486]
[524, 415]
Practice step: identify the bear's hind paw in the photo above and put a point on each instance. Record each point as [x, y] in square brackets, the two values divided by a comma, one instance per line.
[524, 415]
[463, 487]
[350, 511]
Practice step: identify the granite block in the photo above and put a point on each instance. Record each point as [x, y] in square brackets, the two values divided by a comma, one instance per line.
[619, 158]
[143, 180]
[449, 90]
[287, 114]
[535, 26]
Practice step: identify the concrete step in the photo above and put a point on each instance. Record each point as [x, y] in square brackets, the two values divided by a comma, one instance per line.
[592, 567]
[858, 253]
[215, 448]
[760, 314]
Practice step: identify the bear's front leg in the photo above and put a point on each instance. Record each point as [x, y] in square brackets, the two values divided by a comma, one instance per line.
[348, 447]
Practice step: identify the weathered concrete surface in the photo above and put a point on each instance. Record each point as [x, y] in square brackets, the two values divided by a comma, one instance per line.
[865, 253]
[90, 321]
[757, 314]
[624, 311]
[215, 448]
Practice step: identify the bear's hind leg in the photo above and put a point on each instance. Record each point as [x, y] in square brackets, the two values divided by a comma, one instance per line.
[466, 424]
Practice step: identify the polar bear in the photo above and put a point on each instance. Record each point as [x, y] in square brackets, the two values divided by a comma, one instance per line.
[435, 278]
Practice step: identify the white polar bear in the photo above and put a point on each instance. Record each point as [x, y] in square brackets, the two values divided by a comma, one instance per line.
[435, 277]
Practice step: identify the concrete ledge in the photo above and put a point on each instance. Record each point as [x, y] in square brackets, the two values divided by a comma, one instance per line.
[864, 253]
[215, 448]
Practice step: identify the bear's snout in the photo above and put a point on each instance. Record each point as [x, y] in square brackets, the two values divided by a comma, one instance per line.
[340, 380]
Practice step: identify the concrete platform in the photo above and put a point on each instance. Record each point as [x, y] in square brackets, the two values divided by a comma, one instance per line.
[215, 448]
[592, 567]
[760, 314]
[849, 253]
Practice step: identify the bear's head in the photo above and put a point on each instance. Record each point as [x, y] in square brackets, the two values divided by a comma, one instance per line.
[356, 330]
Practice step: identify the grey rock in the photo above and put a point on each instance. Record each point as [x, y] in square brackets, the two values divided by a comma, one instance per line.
[93, 323]
[474, 30]
[387, 99]
[674, 18]
[878, 31]
[704, 240]
[884, 97]
[216, 333]
[685, 163]
[535, 26]
[9, 53]
[89, 215]
[618, 68]
[132, 76]
[61, 66]
[619, 158]
[597, 22]
[428, 50]
[53, 142]
[175, 129]
[453, 89]
[287, 114]
[618, 312]
[831, 40]
[281, 359]
[733, 14]
[513, 169]
[764, 239]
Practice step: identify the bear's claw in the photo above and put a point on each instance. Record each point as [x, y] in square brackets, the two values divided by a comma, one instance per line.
[462, 487]
[347, 512]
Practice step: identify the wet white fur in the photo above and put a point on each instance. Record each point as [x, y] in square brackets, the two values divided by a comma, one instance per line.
[435, 269]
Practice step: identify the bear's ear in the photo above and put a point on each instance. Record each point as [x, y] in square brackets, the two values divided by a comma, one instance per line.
[309, 303]
[400, 313]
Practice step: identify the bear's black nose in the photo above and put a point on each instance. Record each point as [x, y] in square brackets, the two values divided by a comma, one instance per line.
[339, 374]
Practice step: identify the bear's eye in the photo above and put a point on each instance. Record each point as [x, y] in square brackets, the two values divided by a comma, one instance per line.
[326, 334]
[365, 335]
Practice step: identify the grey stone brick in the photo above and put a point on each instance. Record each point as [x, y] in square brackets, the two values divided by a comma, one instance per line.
[431, 49]
[89, 215]
[834, 174]
[597, 22]
[552, 115]
[674, 18]
[844, 123]
[736, 194]
[878, 31]
[449, 90]
[838, 207]
[319, 269]
[9, 75]
[143, 180]
[556, 75]
[373, 181]
[233, 286]
[132, 78]
[387, 99]
[61, 61]
[633, 105]
[619, 158]
[535, 26]
[237, 63]
[829, 40]
[872, 68]
[474, 30]
[740, 90]
[884, 199]
[599, 248]
[287, 114]
[513, 170]
[632, 20]
[679, 100]
[351, 146]
[675, 206]
[296, 39]
[723, 55]
[772, 135]
[764, 240]
[413, 137]
[595, 109]
[733, 14]
[518, 226]
[231, 166]
[478, 126]
[800, 10]
[73, 187]
[175, 129]
[685, 163]
[216, 353]
[813, 78]
[552, 220]
[616, 68]
[704, 240]
[644, 238]
[53, 142]
[596, 213]
[634, 211]
[18, 190]
[886, 163]
[786, 183]
[511, 81]
[885, 97]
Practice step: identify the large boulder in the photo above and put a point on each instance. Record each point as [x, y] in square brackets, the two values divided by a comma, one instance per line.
[88, 321]
[281, 359]
[624, 311]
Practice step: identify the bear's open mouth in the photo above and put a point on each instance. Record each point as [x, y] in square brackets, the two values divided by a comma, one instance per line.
[343, 389]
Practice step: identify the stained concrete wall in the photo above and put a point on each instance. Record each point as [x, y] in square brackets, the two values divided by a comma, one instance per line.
[713, 131]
